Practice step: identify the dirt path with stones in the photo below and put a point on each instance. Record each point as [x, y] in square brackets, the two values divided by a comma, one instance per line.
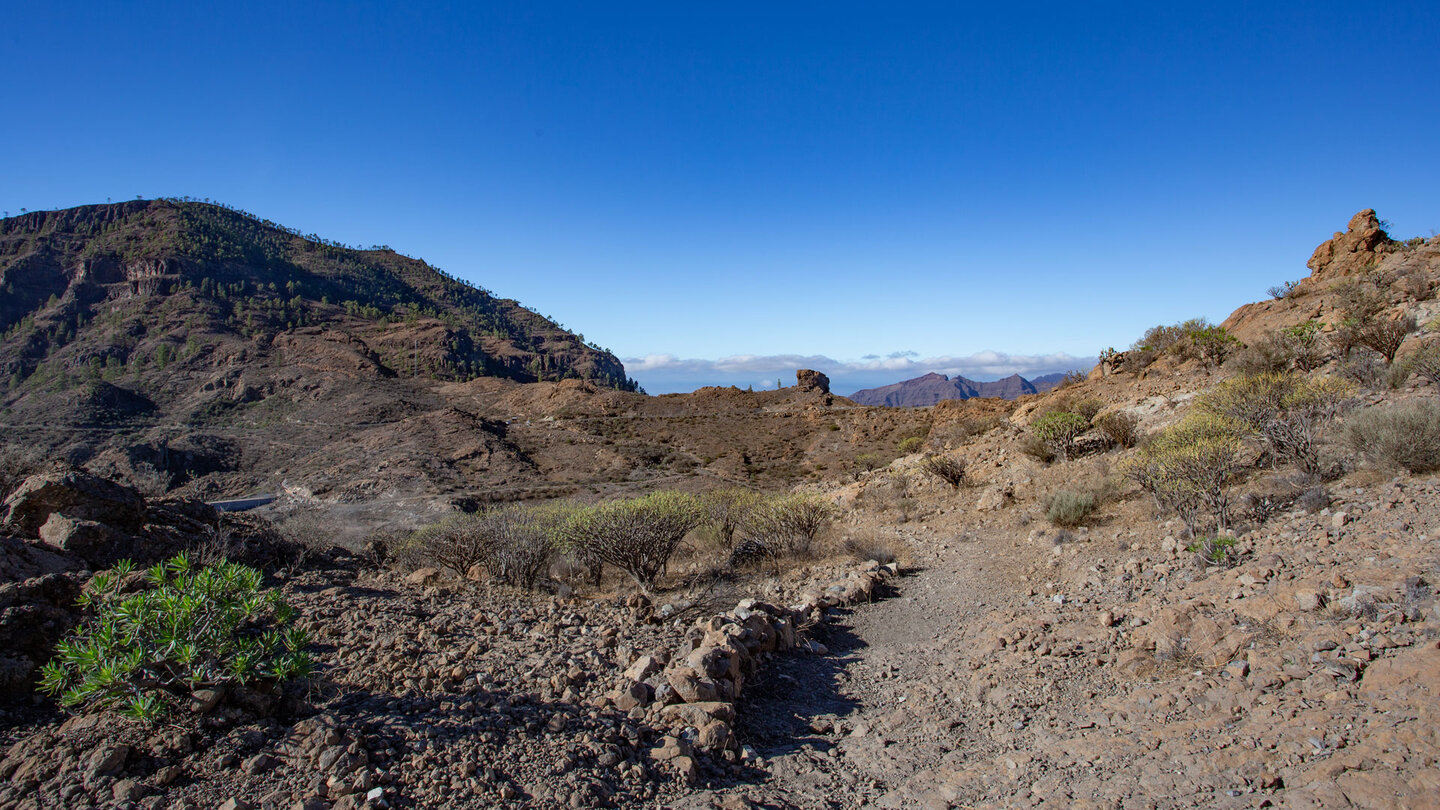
[888, 714]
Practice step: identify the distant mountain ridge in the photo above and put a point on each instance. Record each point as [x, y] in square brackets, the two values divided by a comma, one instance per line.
[931, 388]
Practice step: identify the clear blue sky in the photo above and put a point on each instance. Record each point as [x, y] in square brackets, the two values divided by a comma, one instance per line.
[893, 186]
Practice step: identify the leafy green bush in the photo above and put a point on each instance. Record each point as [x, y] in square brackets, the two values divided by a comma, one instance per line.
[1305, 344]
[1403, 435]
[1176, 337]
[1188, 468]
[638, 536]
[1213, 344]
[1058, 430]
[193, 628]
[1069, 508]
[910, 444]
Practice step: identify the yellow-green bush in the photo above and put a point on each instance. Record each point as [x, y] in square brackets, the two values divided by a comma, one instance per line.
[1189, 467]
[1287, 411]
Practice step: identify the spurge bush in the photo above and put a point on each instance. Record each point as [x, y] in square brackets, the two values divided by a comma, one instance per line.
[193, 628]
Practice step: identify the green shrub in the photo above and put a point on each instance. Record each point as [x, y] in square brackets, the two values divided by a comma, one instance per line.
[638, 536]
[1216, 550]
[949, 469]
[1188, 468]
[1058, 430]
[1287, 411]
[1305, 344]
[193, 628]
[1069, 508]
[1120, 428]
[1213, 344]
[1404, 435]
[1174, 338]
[910, 444]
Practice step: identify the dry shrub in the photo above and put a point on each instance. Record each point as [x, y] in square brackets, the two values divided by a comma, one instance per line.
[960, 431]
[515, 543]
[1268, 355]
[524, 541]
[458, 542]
[1087, 408]
[1036, 448]
[1384, 335]
[1403, 435]
[949, 469]
[789, 525]
[1069, 507]
[871, 545]
[637, 535]
[1120, 428]
[726, 511]
[910, 444]
[1425, 362]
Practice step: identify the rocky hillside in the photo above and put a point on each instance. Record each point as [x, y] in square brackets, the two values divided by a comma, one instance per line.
[932, 388]
[182, 344]
[107, 290]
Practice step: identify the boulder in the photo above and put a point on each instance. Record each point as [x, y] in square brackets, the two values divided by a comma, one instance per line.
[811, 380]
[97, 543]
[79, 495]
[634, 695]
[1352, 252]
[690, 686]
[698, 714]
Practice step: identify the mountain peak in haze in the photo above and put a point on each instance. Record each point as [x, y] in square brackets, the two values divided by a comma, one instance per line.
[928, 389]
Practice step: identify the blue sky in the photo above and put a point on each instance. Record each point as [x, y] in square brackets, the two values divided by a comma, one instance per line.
[719, 191]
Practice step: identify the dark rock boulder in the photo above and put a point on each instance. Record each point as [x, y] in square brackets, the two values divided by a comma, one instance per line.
[96, 543]
[34, 614]
[811, 380]
[77, 495]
